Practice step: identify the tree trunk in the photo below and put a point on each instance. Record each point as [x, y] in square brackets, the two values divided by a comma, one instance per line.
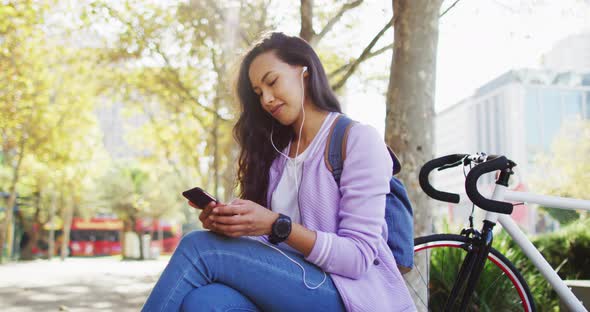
[68, 215]
[51, 239]
[138, 232]
[141, 246]
[410, 106]
[32, 230]
[410, 97]
[127, 227]
[306, 9]
[7, 235]
[26, 252]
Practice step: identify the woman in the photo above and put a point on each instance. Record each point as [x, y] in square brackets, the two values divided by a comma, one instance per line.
[331, 253]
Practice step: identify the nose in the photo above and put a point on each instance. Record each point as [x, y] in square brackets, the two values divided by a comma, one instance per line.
[267, 98]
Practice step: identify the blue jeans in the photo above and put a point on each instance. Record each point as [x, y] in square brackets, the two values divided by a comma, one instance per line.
[211, 272]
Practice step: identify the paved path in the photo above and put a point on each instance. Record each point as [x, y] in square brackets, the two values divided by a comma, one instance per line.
[77, 284]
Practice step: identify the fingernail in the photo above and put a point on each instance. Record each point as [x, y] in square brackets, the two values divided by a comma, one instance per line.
[211, 218]
[215, 210]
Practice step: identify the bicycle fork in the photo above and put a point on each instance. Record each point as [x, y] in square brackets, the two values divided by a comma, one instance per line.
[477, 253]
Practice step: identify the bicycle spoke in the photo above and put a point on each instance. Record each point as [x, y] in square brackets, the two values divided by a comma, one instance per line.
[418, 295]
[492, 284]
[419, 273]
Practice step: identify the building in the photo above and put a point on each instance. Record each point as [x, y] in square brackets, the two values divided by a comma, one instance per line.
[518, 114]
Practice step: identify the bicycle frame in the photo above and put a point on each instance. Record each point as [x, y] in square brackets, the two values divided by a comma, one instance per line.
[501, 193]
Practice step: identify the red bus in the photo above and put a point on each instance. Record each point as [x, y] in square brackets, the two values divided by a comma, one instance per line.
[101, 236]
[165, 235]
[95, 237]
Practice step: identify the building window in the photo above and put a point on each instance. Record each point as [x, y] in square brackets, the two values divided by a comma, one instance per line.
[572, 105]
[533, 121]
[550, 100]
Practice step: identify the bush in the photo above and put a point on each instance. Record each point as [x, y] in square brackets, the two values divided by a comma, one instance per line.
[567, 251]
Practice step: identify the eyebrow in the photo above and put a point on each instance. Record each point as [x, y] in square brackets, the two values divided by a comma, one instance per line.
[263, 77]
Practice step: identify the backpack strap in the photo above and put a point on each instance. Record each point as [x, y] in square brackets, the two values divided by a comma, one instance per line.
[335, 152]
[397, 165]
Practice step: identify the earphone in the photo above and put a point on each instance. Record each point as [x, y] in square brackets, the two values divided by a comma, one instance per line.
[304, 69]
[297, 263]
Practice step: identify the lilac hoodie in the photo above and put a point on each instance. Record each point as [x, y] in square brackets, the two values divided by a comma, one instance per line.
[349, 222]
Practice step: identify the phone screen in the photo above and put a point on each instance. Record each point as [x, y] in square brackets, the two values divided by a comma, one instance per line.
[199, 197]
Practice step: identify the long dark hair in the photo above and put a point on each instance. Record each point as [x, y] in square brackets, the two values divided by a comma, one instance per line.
[252, 131]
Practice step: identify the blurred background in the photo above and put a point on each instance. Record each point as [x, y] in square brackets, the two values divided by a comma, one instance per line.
[110, 109]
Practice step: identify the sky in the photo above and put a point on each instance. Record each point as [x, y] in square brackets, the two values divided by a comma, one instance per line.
[483, 39]
[480, 40]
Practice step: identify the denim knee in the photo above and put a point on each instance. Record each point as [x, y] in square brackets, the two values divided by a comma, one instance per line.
[217, 297]
[198, 240]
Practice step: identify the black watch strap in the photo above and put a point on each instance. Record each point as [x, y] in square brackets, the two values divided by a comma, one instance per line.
[281, 229]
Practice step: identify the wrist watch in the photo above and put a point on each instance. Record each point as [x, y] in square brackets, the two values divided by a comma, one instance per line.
[281, 229]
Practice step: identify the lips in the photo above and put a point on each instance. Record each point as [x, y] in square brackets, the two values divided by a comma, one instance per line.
[275, 110]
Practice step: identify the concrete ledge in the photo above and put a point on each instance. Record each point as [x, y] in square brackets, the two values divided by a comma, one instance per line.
[580, 288]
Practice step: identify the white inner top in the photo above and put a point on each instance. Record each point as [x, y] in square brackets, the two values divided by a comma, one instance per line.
[285, 197]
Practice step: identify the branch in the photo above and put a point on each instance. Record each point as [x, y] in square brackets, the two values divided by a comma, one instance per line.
[364, 55]
[369, 56]
[350, 67]
[174, 73]
[181, 86]
[448, 9]
[336, 18]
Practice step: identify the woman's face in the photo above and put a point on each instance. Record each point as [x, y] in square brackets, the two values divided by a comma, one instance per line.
[278, 85]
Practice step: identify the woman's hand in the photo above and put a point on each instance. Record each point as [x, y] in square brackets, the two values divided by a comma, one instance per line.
[242, 218]
[205, 213]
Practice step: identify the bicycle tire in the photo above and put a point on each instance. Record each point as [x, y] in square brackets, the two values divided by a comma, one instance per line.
[512, 294]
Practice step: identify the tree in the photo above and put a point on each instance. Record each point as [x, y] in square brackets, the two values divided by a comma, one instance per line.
[566, 171]
[410, 96]
[188, 96]
[185, 91]
[410, 102]
[134, 192]
[24, 90]
[46, 102]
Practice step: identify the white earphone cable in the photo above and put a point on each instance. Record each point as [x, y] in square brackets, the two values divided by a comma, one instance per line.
[294, 159]
[297, 263]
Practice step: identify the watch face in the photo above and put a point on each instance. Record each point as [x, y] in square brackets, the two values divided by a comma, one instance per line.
[283, 227]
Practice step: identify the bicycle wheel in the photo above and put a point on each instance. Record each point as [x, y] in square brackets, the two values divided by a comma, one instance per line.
[438, 259]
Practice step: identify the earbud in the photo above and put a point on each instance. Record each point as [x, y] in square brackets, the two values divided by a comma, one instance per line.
[304, 69]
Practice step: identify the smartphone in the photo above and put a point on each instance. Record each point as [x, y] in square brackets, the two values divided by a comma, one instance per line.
[199, 197]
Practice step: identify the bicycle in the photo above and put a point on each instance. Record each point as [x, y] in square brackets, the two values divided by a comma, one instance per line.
[477, 272]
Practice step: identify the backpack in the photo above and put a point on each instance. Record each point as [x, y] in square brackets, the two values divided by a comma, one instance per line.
[398, 210]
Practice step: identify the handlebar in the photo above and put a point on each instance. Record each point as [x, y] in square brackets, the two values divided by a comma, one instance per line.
[486, 164]
[500, 163]
[434, 164]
